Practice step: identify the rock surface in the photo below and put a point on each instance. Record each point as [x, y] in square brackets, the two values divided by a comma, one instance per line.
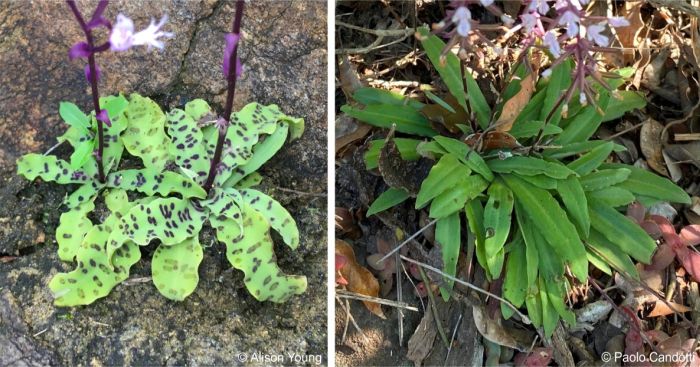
[284, 52]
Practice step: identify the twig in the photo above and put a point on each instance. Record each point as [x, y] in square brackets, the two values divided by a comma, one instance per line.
[526, 320]
[352, 319]
[397, 248]
[454, 333]
[39, 333]
[433, 308]
[301, 193]
[625, 131]
[361, 297]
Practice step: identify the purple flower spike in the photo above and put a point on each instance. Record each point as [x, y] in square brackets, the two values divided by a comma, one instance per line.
[88, 75]
[231, 42]
[102, 116]
[79, 50]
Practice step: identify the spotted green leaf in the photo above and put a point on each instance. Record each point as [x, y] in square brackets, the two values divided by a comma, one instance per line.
[72, 228]
[497, 214]
[187, 145]
[84, 193]
[274, 213]
[150, 182]
[174, 268]
[145, 136]
[170, 220]
[113, 146]
[49, 168]
[262, 152]
[251, 250]
[198, 109]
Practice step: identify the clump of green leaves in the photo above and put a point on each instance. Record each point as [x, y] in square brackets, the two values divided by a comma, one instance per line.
[168, 201]
[534, 212]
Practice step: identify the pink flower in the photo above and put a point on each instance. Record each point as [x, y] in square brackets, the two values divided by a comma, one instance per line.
[123, 37]
[462, 17]
[618, 22]
[532, 21]
[550, 40]
[593, 33]
[570, 20]
[539, 5]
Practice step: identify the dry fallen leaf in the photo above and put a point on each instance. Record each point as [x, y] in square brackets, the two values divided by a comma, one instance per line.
[421, 343]
[360, 280]
[499, 334]
[651, 143]
[515, 105]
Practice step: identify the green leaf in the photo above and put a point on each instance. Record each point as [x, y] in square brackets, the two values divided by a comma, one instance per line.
[541, 181]
[582, 126]
[497, 214]
[533, 302]
[443, 175]
[528, 129]
[73, 116]
[644, 183]
[574, 198]
[274, 213]
[477, 101]
[475, 219]
[529, 166]
[572, 149]
[591, 160]
[113, 145]
[73, 226]
[115, 105]
[84, 193]
[97, 273]
[49, 168]
[82, 153]
[532, 109]
[369, 96]
[612, 196]
[559, 82]
[598, 262]
[262, 152]
[174, 268]
[151, 182]
[627, 235]
[447, 234]
[556, 293]
[386, 200]
[440, 102]
[407, 149]
[515, 282]
[186, 144]
[251, 251]
[629, 100]
[145, 136]
[611, 253]
[170, 220]
[604, 178]
[549, 313]
[251, 180]
[454, 199]
[551, 220]
[197, 109]
[407, 119]
[465, 155]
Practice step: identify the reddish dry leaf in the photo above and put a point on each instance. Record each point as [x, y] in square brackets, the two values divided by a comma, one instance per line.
[636, 211]
[513, 106]
[340, 261]
[691, 235]
[360, 280]
[663, 309]
[493, 140]
[662, 258]
[690, 261]
[538, 357]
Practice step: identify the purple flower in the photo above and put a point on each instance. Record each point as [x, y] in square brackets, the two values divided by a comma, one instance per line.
[79, 50]
[539, 5]
[102, 116]
[618, 22]
[463, 18]
[570, 20]
[123, 37]
[231, 43]
[593, 33]
[88, 74]
[550, 40]
[486, 3]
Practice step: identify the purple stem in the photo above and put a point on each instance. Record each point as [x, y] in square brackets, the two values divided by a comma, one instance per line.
[93, 85]
[229, 98]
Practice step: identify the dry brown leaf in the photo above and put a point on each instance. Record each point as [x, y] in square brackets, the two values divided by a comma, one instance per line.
[663, 309]
[689, 153]
[442, 117]
[421, 343]
[513, 106]
[499, 334]
[349, 81]
[651, 143]
[628, 36]
[493, 140]
[360, 280]
[347, 131]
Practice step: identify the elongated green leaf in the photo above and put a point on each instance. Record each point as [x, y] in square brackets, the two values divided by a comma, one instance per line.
[454, 199]
[262, 152]
[528, 129]
[82, 153]
[541, 181]
[465, 155]
[591, 160]
[644, 183]
[251, 251]
[628, 236]
[49, 168]
[529, 166]
[443, 175]
[551, 220]
[174, 268]
[559, 82]
[515, 282]
[572, 149]
[628, 101]
[574, 198]
[447, 234]
[407, 149]
[386, 200]
[604, 178]
[598, 262]
[407, 119]
[73, 116]
[440, 102]
[368, 96]
[274, 213]
[497, 214]
[533, 259]
[477, 101]
[550, 317]
[475, 219]
[74, 225]
[556, 293]
[151, 181]
[584, 124]
[612, 196]
[611, 253]
[533, 301]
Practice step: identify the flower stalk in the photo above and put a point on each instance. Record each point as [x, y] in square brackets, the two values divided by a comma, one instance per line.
[232, 70]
